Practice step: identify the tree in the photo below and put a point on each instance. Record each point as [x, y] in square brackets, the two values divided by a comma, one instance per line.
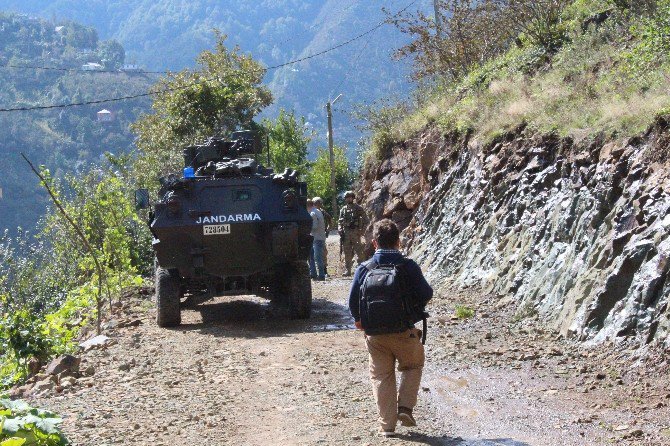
[289, 138]
[472, 33]
[79, 36]
[111, 53]
[318, 178]
[223, 94]
[539, 21]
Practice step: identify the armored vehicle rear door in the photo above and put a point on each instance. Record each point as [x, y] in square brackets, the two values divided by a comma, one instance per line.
[232, 228]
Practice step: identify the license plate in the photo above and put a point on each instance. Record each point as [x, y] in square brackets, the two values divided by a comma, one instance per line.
[216, 229]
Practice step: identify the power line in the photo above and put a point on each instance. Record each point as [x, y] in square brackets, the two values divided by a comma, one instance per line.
[354, 66]
[295, 36]
[167, 90]
[347, 42]
[121, 71]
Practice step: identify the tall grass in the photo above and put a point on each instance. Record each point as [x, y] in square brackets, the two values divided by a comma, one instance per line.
[611, 79]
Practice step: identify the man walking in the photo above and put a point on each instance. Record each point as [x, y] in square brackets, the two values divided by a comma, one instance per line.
[318, 202]
[388, 296]
[316, 269]
[351, 224]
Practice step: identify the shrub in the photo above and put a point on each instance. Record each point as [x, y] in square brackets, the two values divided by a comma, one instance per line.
[466, 35]
[48, 285]
[609, 76]
[383, 120]
[23, 338]
[289, 139]
[318, 177]
[23, 425]
[463, 312]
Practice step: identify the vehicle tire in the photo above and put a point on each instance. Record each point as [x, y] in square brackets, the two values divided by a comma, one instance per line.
[300, 294]
[279, 287]
[168, 313]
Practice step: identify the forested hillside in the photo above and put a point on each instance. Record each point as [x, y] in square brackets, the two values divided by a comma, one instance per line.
[167, 34]
[66, 140]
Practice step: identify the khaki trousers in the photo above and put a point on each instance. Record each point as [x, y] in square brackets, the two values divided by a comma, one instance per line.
[385, 350]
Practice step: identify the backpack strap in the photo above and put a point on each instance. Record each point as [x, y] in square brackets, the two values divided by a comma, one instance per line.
[424, 319]
[425, 330]
[369, 265]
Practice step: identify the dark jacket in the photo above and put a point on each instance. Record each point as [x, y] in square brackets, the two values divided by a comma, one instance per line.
[422, 290]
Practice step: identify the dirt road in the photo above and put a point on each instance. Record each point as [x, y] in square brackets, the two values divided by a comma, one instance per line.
[239, 372]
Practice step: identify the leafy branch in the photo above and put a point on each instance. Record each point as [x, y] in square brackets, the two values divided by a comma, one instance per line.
[81, 236]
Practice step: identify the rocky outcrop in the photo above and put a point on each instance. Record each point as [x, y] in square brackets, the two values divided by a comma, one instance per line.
[396, 186]
[574, 233]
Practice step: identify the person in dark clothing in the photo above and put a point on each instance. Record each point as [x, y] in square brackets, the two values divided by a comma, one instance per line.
[393, 404]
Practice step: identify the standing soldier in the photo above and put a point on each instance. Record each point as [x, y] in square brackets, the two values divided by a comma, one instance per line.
[318, 202]
[351, 225]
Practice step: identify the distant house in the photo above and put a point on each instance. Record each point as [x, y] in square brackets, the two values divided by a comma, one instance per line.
[92, 66]
[59, 29]
[131, 68]
[105, 115]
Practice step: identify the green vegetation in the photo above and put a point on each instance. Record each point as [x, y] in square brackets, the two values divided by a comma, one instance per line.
[289, 139]
[48, 286]
[596, 67]
[463, 312]
[318, 177]
[67, 140]
[60, 44]
[159, 36]
[22, 425]
[224, 93]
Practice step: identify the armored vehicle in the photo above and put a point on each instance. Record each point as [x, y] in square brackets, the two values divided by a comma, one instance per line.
[228, 225]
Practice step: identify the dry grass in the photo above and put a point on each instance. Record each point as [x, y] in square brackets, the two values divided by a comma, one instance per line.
[584, 92]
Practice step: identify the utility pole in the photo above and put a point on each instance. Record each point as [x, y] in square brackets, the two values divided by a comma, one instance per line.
[333, 186]
[438, 21]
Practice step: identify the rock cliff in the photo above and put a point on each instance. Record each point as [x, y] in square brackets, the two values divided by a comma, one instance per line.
[573, 233]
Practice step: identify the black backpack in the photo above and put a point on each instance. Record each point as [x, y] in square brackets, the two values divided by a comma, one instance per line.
[386, 304]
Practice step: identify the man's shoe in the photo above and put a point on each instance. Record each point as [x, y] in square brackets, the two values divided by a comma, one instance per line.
[386, 434]
[405, 417]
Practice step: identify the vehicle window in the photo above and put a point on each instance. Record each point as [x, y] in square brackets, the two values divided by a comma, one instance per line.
[241, 195]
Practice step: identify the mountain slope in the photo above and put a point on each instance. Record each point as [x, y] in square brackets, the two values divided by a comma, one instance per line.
[168, 34]
[65, 140]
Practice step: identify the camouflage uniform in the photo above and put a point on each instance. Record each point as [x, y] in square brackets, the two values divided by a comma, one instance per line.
[352, 223]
